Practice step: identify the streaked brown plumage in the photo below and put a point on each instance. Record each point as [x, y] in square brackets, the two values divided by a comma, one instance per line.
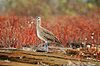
[46, 35]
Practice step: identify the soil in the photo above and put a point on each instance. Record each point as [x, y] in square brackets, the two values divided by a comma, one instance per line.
[30, 58]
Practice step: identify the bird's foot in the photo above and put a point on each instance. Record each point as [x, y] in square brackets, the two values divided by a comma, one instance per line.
[46, 49]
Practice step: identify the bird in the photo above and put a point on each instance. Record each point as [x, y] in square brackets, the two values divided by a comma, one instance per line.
[45, 35]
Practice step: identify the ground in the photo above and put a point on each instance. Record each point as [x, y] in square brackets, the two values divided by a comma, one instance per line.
[29, 58]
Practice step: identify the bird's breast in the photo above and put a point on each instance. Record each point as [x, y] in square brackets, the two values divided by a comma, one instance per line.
[39, 34]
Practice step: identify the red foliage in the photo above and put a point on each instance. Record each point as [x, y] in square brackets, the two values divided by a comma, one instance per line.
[18, 31]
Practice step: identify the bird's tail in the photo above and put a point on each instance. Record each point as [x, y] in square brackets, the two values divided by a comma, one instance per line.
[59, 43]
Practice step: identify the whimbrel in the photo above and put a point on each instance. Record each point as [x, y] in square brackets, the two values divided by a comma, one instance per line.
[46, 35]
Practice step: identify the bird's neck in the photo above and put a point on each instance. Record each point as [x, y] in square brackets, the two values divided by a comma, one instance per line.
[38, 25]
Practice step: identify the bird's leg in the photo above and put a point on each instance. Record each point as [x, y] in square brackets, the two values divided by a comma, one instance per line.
[46, 46]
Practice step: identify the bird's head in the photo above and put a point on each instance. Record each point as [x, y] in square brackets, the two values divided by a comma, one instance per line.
[38, 19]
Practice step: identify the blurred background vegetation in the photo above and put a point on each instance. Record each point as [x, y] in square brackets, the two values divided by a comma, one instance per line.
[49, 7]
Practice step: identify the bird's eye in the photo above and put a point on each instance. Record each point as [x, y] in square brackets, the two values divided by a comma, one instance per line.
[38, 18]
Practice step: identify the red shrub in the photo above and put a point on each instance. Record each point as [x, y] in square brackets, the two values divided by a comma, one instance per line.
[18, 31]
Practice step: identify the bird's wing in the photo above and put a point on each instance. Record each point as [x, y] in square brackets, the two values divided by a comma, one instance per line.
[50, 36]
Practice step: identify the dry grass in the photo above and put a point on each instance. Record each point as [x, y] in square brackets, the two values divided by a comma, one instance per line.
[22, 58]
